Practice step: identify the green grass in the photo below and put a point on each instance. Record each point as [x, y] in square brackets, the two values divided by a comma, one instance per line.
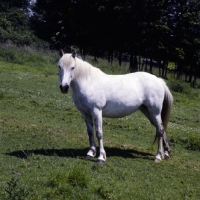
[43, 142]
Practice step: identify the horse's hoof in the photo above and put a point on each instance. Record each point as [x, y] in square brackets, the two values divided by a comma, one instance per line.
[100, 161]
[166, 156]
[157, 160]
[88, 157]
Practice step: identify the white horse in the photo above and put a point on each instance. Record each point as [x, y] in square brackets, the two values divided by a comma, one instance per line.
[96, 95]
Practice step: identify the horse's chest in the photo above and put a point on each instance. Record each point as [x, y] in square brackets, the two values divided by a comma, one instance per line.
[82, 103]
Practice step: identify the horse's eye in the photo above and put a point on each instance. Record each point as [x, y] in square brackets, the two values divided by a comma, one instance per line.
[72, 68]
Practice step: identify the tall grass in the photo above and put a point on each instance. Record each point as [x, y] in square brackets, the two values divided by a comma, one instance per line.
[27, 55]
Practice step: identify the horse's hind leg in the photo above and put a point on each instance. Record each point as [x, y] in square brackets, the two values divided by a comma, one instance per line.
[92, 151]
[167, 148]
[160, 135]
[156, 120]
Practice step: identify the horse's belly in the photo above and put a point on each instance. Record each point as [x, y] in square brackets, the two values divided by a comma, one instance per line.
[112, 110]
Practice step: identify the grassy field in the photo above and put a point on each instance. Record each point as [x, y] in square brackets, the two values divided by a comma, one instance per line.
[43, 143]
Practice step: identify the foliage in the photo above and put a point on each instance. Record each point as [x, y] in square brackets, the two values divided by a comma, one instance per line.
[106, 192]
[180, 86]
[1, 95]
[193, 142]
[15, 23]
[78, 177]
[27, 54]
[16, 191]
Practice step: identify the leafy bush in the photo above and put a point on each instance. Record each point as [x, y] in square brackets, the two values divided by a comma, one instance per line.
[16, 191]
[105, 192]
[1, 95]
[78, 177]
[180, 87]
[29, 55]
[193, 142]
[68, 186]
[57, 180]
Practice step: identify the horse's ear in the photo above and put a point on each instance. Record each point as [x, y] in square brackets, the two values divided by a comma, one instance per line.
[61, 52]
[74, 53]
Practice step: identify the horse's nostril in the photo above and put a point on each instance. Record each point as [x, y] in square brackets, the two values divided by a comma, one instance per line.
[61, 87]
[64, 89]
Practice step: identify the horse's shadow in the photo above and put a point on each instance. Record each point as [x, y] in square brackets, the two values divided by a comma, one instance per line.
[81, 153]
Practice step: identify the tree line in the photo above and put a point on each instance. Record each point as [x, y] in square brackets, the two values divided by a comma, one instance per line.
[157, 31]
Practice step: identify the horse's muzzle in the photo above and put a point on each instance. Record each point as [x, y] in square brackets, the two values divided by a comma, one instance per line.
[64, 89]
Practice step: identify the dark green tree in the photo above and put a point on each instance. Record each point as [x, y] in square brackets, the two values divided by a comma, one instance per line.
[186, 32]
[14, 22]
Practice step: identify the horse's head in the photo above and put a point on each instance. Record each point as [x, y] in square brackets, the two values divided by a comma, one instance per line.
[66, 66]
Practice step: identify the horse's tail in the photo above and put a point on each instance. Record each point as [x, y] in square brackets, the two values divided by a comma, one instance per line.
[167, 105]
[166, 108]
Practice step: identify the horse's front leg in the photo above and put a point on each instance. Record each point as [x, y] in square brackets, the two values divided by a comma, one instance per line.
[99, 134]
[92, 151]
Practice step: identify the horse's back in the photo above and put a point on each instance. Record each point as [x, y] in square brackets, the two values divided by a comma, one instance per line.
[139, 84]
[126, 93]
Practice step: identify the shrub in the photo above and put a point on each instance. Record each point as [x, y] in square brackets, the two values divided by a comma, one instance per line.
[78, 177]
[107, 192]
[16, 191]
[28, 55]
[193, 142]
[181, 87]
[1, 95]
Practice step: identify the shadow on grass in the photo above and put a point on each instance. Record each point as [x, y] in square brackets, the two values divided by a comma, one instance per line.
[81, 153]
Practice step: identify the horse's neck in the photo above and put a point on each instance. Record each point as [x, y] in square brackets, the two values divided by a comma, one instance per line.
[85, 75]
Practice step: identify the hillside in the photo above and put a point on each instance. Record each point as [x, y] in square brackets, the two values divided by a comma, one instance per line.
[43, 140]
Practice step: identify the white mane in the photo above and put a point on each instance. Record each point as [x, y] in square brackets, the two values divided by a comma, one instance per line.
[84, 69]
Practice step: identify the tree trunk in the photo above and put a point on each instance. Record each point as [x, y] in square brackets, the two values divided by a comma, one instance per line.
[110, 56]
[151, 66]
[179, 69]
[163, 68]
[142, 65]
[120, 58]
[166, 64]
[159, 67]
[145, 65]
[195, 74]
[190, 74]
[186, 75]
[82, 53]
[95, 55]
[133, 63]
[139, 63]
